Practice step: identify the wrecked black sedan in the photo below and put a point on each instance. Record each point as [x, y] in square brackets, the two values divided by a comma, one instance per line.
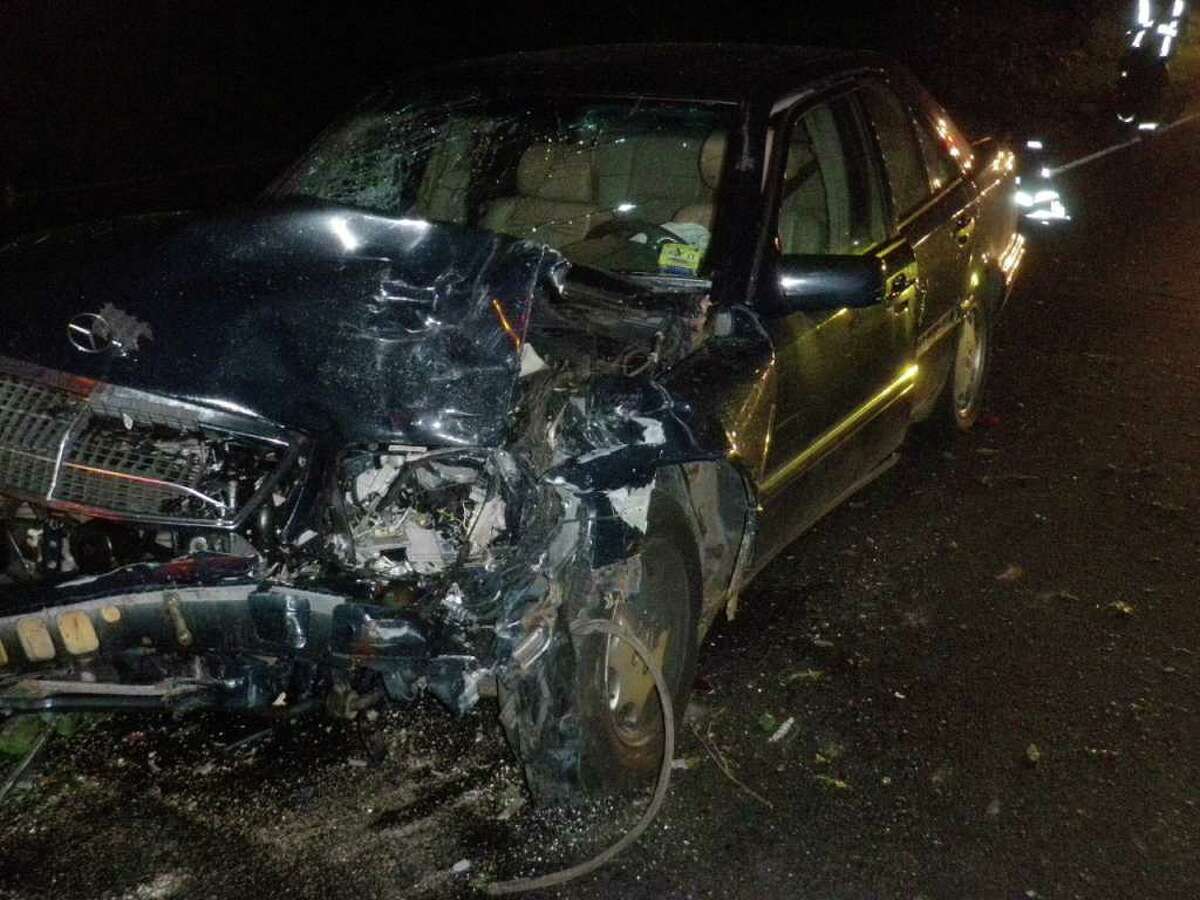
[521, 344]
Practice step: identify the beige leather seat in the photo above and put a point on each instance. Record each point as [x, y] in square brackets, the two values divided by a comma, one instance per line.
[556, 197]
[712, 158]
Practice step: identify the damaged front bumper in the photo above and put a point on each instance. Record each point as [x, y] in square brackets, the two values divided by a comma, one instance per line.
[202, 632]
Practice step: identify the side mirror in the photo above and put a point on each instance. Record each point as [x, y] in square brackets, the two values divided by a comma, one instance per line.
[829, 282]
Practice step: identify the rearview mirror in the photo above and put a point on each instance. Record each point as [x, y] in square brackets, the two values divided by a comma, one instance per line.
[829, 282]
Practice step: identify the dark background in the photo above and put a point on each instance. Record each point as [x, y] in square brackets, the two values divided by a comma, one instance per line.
[117, 106]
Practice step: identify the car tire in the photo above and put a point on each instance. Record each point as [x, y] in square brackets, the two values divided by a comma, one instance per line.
[961, 400]
[595, 726]
[620, 713]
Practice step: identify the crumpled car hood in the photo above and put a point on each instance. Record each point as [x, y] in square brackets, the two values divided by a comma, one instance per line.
[327, 319]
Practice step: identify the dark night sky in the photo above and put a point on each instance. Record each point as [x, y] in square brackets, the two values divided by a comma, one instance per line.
[101, 90]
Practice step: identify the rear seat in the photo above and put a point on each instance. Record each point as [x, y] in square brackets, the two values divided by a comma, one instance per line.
[555, 202]
[658, 172]
[804, 211]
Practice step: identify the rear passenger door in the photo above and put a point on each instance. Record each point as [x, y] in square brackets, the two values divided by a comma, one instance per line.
[933, 206]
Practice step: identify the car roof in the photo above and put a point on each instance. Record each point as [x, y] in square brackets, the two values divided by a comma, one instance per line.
[714, 72]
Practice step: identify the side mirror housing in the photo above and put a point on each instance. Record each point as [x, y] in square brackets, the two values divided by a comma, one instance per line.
[809, 283]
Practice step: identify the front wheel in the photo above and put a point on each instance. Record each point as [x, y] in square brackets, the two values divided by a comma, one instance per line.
[590, 720]
[620, 713]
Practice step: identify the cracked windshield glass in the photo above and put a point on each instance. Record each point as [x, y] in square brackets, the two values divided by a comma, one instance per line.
[628, 186]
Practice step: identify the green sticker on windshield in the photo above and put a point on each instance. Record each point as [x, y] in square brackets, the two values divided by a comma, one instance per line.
[679, 259]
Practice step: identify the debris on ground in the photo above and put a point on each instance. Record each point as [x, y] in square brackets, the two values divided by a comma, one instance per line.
[460, 867]
[782, 731]
[1059, 595]
[1015, 477]
[831, 783]
[1012, 573]
[722, 762]
[1033, 755]
[828, 752]
[808, 676]
[696, 712]
[161, 887]
[1122, 608]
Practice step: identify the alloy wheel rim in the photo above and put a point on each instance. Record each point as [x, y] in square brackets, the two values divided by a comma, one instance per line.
[630, 693]
[968, 365]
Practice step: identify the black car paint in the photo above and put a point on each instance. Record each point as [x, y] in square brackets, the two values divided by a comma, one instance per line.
[393, 336]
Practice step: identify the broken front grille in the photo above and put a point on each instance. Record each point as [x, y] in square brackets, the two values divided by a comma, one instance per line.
[107, 451]
[34, 422]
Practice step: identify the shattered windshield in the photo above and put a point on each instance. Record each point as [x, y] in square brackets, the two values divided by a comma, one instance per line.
[623, 185]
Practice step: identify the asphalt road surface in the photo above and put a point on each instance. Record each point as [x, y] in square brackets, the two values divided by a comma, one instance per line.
[990, 660]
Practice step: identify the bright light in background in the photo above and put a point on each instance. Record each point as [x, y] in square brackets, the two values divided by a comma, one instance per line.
[1038, 200]
[626, 207]
[1139, 37]
[1147, 126]
[1144, 17]
[1177, 9]
[1056, 212]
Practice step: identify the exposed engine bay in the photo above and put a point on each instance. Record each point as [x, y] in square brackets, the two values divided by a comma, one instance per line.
[471, 468]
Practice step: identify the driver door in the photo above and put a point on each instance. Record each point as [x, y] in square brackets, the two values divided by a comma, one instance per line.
[841, 372]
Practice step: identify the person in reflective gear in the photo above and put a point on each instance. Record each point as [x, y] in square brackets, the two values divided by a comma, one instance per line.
[1157, 25]
[1142, 83]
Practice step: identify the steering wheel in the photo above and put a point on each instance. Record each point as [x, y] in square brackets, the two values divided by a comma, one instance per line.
[629, 228]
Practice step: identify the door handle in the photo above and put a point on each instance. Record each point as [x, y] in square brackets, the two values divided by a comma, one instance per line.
[898, 292]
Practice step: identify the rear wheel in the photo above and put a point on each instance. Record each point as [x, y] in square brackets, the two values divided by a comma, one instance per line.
[961, 401]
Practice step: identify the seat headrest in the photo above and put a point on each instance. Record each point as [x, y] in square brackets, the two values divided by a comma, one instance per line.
[559, 172]
[712, 156]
